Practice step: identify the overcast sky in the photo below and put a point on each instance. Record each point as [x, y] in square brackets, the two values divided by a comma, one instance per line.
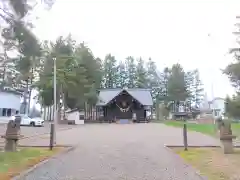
[194, 33]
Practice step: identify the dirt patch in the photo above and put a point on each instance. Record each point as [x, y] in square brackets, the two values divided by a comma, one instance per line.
[211, 162]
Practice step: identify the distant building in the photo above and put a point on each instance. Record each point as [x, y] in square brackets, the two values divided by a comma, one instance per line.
[217, 105]
[75, 116]
[10, 103]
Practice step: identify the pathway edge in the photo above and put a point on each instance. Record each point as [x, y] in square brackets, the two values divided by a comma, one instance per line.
[186, 164]
[31, 169]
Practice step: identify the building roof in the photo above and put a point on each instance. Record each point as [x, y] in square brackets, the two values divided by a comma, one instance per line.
[74, 110]
[11, 91]
[216, 98]
[141, 95]
[71, 110]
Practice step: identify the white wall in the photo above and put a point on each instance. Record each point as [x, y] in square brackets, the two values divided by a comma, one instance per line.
[10, 101]
[72, 116]
[4, 119]
[218, 104]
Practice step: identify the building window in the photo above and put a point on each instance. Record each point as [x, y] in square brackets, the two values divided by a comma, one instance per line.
[4, 112]
[216, 112]
[9, 112]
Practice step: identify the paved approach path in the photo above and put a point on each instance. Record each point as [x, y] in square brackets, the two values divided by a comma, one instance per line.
[120, 152]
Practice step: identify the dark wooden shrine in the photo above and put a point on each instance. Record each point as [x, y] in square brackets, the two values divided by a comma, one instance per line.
[124, 106]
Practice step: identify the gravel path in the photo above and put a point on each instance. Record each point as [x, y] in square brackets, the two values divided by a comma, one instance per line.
[118, 152]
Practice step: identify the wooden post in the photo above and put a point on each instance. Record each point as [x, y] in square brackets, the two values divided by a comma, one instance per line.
[157, 110]
[185, 136]
[51, 144]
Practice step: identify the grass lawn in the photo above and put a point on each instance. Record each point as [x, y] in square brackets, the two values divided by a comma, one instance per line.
[12, 163]
[236, 129]
[209, 129]
[212, 163]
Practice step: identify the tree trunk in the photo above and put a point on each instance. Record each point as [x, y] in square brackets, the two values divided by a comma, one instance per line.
[58, 108]
[4, 67]
[50, 113]
[30, 90]
[25, 98]
[63, 104]
[44, 113]
[96, 113]
[85, 110]
[4, 72]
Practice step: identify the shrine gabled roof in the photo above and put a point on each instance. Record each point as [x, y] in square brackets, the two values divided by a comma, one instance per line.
[141, 95]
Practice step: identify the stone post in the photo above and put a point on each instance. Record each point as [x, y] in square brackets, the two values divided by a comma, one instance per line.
[12, 134]
[226, 136]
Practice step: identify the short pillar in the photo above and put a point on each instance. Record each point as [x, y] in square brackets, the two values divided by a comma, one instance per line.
[12, 135]
[226, 136]
[227, 146]
[10, 145]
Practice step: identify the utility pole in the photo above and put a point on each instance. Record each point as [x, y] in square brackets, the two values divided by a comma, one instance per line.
[53, 138]
[55, 99]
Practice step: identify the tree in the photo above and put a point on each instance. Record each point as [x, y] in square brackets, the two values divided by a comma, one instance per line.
[131, 72]
[232, 105]
[197, 89]
[153, 79]
[141, 79]
[228, 103]
[122, 75]
[17, 25]
[177, 87]
[189, 77]
[162, 94]
[93, 73]
[78, 75]
[7, 73]
[109, 72]
[62, 52]
[16, 31]
[233, 69]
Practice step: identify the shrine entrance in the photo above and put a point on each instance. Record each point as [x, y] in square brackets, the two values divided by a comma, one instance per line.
[123, 107]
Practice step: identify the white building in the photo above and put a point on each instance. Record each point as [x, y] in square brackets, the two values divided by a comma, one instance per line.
[76, 116]
[217, 105]
[10, 104]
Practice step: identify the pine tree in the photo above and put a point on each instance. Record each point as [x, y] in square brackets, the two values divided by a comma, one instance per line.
[131, 72]
[198, 89]
[163, 90]
[177, 87]
[122, 75]
[153, 79]
[141, 73]
[110, 72]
